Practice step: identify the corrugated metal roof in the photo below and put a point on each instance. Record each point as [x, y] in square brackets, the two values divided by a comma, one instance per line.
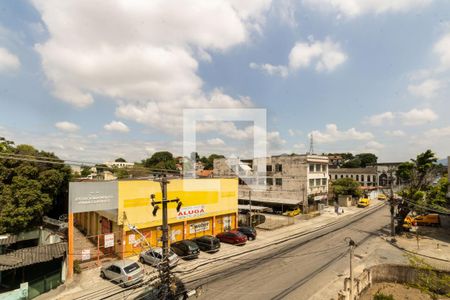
[8, 239]
[32, 255]
[368, 170]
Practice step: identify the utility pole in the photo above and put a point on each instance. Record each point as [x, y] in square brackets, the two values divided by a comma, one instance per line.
[392, 202]
[250, 212]
[164, 267]
[352, 246]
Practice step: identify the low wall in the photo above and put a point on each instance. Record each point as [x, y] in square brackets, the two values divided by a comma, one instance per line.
[386, 273]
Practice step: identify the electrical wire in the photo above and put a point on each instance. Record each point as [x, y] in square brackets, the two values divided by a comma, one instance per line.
[445, 212]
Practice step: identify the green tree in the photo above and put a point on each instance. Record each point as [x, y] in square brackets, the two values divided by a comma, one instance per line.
[85, 171]
[346, 186]
[160, 160]
[121, 173]
[209, 165]
[367, 159]
[437, 194]
[353, 163]
[30, 188]
[419, 192]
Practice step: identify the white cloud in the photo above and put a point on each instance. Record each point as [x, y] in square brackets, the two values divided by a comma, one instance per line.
[8, 61]
[437, 132]
[274, 138]
[332, 135]
[285, 10]
[395, 133]
[279, 70]
[428, 89]
[142, 54]
[228, 129]
[354, 8]
[299, 147]
[67, 126]
[215, 142]
[116, 126]
[418, 116]
[325, 55]
[374, 145]
[380, 119]
[442, 49]
[294, 132]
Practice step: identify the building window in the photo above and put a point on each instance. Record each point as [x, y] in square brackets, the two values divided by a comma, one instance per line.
[335, 176]
[324, 168]
[278, 168]
[311, 182]
[362, 178]
[351, 176]
[269, 181]
[311, 168]
[342, 176]
[269, 168]
[324, 181]
[318, 167]
[374, 179]
[279, 181]
[317, 181]
[357, 177]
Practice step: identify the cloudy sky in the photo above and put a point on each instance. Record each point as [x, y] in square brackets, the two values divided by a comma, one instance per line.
[94, 80]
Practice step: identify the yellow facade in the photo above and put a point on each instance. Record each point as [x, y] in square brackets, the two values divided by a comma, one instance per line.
[209, 206]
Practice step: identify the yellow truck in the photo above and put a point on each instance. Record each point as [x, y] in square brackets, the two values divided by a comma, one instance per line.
[363, 202]
[382, 197]
[292, 213]
[421, 220]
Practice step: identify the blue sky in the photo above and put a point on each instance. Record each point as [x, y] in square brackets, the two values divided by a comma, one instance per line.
[93, 81]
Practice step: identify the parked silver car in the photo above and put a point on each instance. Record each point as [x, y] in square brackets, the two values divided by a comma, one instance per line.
[154, 256]
[126, 272]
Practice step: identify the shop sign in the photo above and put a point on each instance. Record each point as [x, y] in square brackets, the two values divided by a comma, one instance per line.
[191, 212]
[131, 239]
[92, 196]
[198, 227]
[85, 254]
[109, 240]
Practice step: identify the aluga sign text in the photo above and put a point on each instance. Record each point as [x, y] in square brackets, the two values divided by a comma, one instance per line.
[191, 212]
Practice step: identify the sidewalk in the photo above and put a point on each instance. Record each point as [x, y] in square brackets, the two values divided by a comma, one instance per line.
[379, 250]
[90, 280]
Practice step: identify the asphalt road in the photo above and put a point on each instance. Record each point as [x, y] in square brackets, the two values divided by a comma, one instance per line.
[294, 270]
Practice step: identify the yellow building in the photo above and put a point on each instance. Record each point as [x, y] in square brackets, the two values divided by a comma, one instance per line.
[209, 206]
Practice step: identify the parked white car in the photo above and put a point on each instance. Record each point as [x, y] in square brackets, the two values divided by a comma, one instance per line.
[154, 256]
[125, 272]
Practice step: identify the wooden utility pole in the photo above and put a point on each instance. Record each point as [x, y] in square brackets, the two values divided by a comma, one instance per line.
[250, 203]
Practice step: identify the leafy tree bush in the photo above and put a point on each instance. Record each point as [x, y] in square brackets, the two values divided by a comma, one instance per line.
[346, 186]
[29, 188]
[381, 296]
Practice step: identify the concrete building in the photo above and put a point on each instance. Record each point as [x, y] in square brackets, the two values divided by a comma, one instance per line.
[365, 176]
[119, 164]
[289, 181]
[387, 172]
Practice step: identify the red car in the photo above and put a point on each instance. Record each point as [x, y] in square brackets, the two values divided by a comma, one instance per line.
[232, 237]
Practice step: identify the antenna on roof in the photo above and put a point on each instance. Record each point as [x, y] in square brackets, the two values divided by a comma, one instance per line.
[311, 144]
